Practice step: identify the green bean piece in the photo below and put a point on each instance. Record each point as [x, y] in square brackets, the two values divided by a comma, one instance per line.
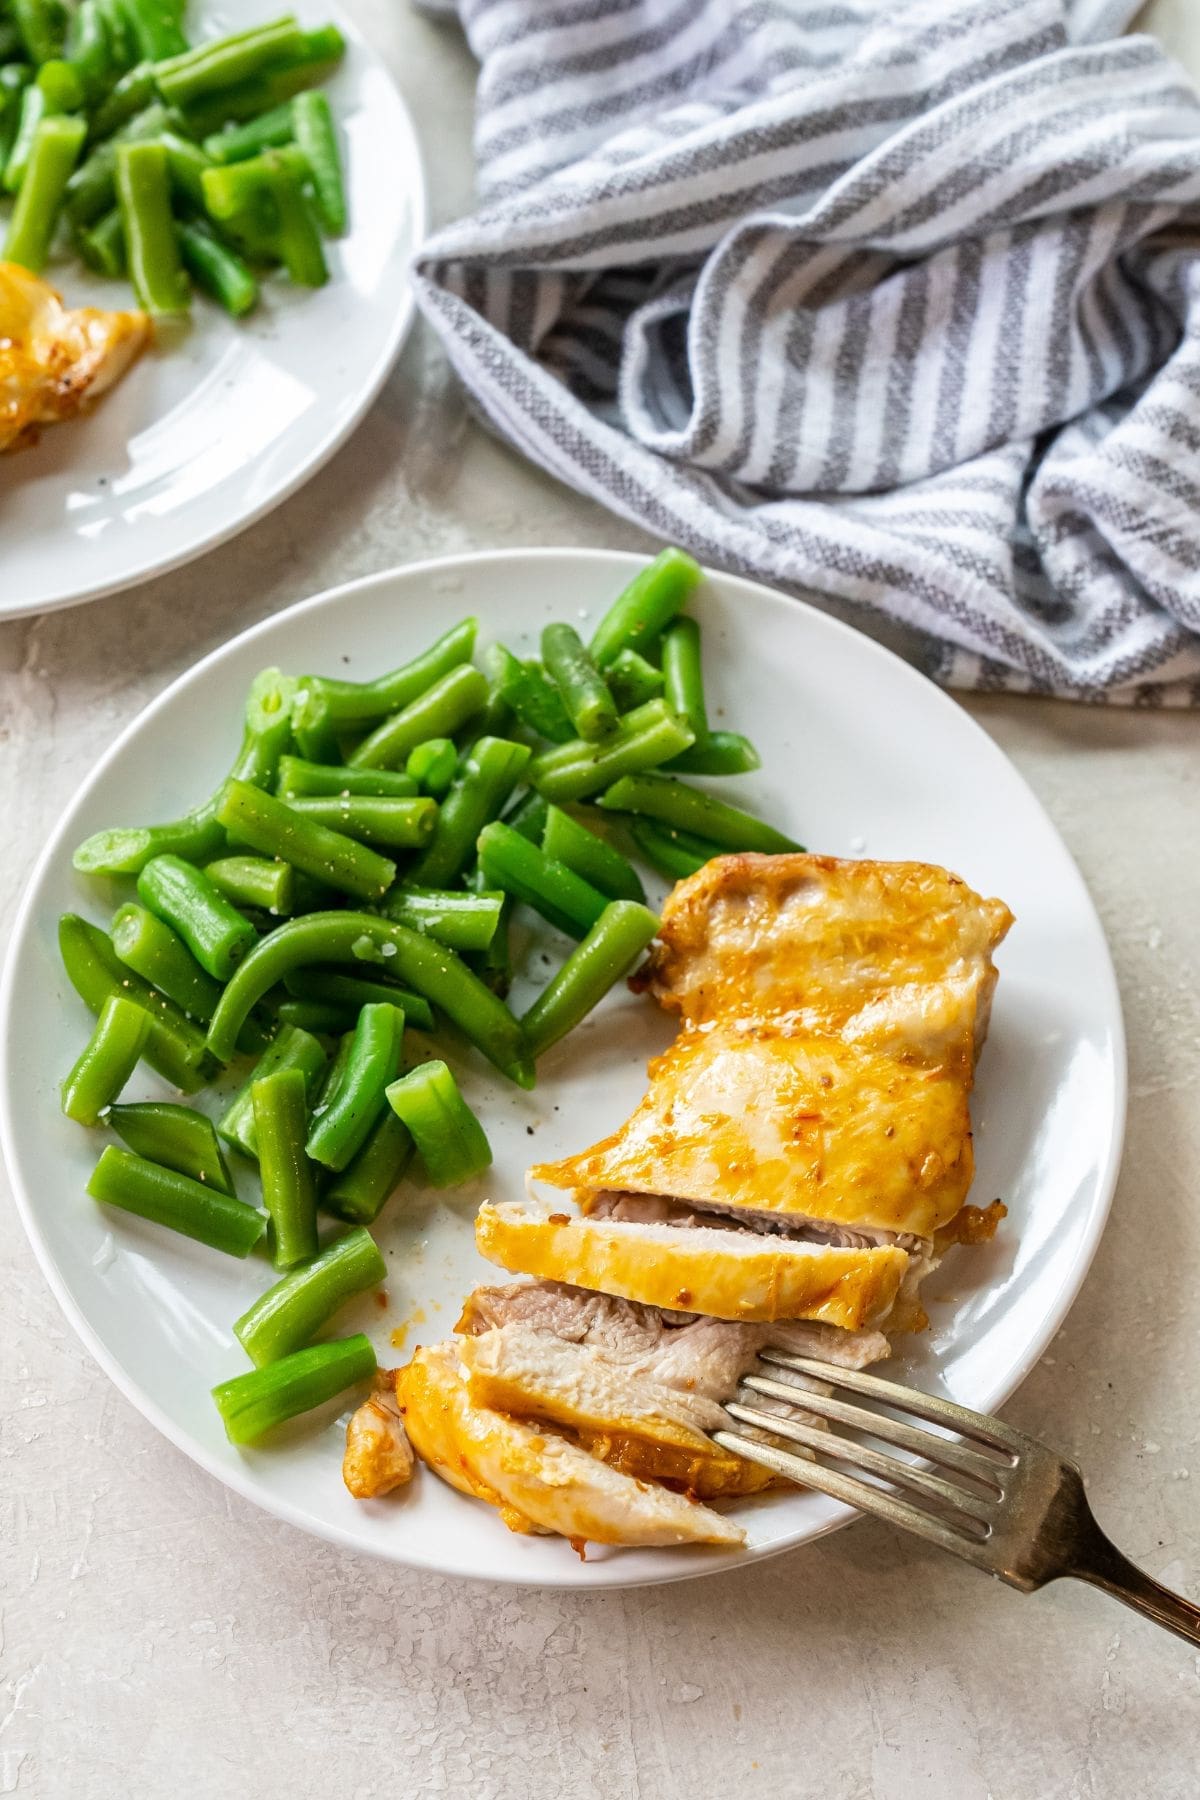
[252, 1404]
[289, 1049]
[322, 51]
[186, 163]
[432, 765]
[11, 45]
[649, 735]
[491, 771]
[494, 965]
[297, 777]
[263, 201]
[54, 153]
[290, 1314]
[404, 823]
[221, 63]
[177, 1137]
[256, 881]
[215, 932]
[61, 85]
[31, 111]
[438, 712]
[632, 680]
[154, 26]
[352, 992]
[317, 1016]
[339, 937]
[289, 1182]
[529, 816]
[122, 49]
[362, 1189]
[325, 709]
[151, 241]
[449, 1138]
[102, 245]
[609, 951]
[525, 688]
[274, 828]
[43, 27]
[583, 690]
[132, 94]
[174, 1046]
[721, 753]
[92, 189]
[14, 79]
[673, 802]
[523, 870]
[675, 854]
[649, 603]
[90, 50]
[159, 955]
[239, 142]
[167, 1198]
[569, 842]
[106, 1061]
[460, 921]
[199, 836]
[342, 1124]
[683, 676]
[316, 135]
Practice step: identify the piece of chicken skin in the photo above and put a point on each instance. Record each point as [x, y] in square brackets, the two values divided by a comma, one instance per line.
[56, 360]
[378, 1456]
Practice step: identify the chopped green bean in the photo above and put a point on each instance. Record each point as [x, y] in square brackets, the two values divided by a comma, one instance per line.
[159, 955]
[151, 240]
[569, 842]
[322, 51]
[326, 709]
[217, 269]
[529, 816]
[489, 775]
[316, 136]
[607, 952]
[351, 992]
[460, 921]
[683, 676]
[317, 1016]
[268, 825]
[721, 753]
[53, 154]
[438, 712]
[263, 201]
[289, 1049]
[449, 1138]
[535, 700]
[395, 823]
[644, 738]
[673, 802]
[509, 861]
[174, 1046]
[163, 1195]
[342, 1124]
[583, 690]
[291, 1313]
[238, 142]
[649, 603]
[155, 29]
[222, 63]
[256, 881]
[31, 110]
[632, 680]
[177, 1137]
[43, 27]
[102, 245]
[107, 1060]
[215, 932]
[252, 1404]
[432, 765]
[298, 777]
[675, 854]
[62, 86]
[289, 1182]
[362, 1189]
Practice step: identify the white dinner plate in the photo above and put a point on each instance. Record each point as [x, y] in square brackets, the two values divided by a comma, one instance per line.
[860, 755]
[222, 420]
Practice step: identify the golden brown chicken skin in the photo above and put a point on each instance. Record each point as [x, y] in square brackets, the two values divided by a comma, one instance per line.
[54, 360]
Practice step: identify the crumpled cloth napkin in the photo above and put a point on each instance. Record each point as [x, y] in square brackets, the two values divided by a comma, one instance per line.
[890, 301]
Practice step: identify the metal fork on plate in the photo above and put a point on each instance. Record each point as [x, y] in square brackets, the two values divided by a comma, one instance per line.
[1013, 1508]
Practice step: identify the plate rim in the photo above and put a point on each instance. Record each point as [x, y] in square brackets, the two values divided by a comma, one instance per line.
[238, 1478]
[328, 445]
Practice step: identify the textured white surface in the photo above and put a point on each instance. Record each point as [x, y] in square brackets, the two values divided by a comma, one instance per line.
[159, 1637]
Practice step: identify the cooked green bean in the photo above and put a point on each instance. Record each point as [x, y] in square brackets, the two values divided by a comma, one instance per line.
[222, 63]
[675, 854]
[151, 240]
[583, 690]
[132, 94]
[62, 86]
[263, 201]
[289, 1049]
[326, 709]
[494, 965]
[174, 1046]
[509, 861]
[42, 25]
[163, 1195]
[431, 765]
[102, 246]
[673, 802]
[491, 771]
[607, 952]
[683, 675]
[333, 937]
[289, 1182]
[199, 836]
[535, 700]
[449, 1138]
[318, 1016]
[438, 712]
[316, 136]
[252, 1404]
[215, 932]
[92, 189]
[362, 1189]
[53, 154]
[31, 110]
[649, 603]
[644, 738]
[350, 992]
[238, 142]
[322, 51]
[632, 680]
[460, 921]
[159, 955]
[298, 777]
[256, 881]
[291, 1313]
[721, 753]
[529, 817]
[107, 1060]
[569, 842]
[396, 823]
[343, 1121]
[155, 28]
[177, 1137]
[216, 268]
[273, 828]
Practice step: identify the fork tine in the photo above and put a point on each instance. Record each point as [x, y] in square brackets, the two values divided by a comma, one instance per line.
[847, 1450]
[859, 1494]
[892, 1431]
[925, 1406]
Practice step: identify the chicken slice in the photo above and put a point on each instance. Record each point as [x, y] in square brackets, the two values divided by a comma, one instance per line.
[378, 1456]
[538, 1478]
[55, 360]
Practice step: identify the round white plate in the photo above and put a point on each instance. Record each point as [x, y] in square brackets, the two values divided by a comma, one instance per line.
[860, 755]
[221, 421]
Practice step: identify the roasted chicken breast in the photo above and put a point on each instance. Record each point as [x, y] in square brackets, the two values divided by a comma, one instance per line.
[55, 360]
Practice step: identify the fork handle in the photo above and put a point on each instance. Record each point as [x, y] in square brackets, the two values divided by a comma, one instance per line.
[1105, 1567]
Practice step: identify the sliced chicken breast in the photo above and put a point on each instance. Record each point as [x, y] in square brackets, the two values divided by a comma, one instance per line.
[55, 360]
[378, 1456]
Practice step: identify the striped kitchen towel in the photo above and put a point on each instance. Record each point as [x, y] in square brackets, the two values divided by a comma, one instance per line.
[894, 302]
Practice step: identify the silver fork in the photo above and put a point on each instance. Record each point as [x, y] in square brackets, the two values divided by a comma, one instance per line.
[1016, 1510]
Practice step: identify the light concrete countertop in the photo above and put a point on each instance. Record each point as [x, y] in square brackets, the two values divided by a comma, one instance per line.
[159, 1636]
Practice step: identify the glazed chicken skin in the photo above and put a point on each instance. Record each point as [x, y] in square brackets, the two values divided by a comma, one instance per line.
[54, 360]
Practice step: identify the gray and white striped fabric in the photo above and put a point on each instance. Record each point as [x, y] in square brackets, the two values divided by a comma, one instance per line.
[891, 301]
